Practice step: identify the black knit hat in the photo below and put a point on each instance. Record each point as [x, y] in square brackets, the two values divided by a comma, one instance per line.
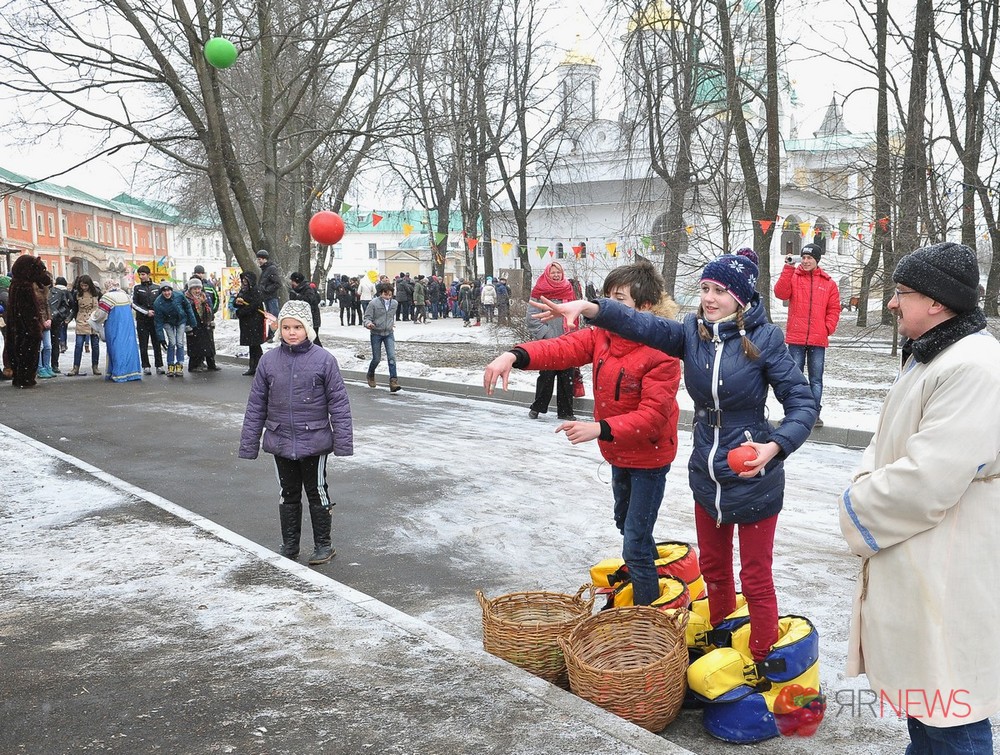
[946, 272]
[813, 250]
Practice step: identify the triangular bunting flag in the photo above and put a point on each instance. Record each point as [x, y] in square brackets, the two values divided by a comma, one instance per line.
[407, 230]
[376, 219]
[765, 225]
[439, 237]
[883, 224]
[344, 208]
[577, 250]
[505, 247]
[689, 229]
[472, 242]
[612, 247]
[647, 241]
[804, 228]
[845, 228]
[833, 234]
[542, 250]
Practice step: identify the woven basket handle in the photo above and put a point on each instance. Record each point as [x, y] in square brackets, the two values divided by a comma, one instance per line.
[680, 618]
[563, 645]
[483, 602]
[589, 603]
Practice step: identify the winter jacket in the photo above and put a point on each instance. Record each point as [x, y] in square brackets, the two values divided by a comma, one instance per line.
[366, 289]
[211, 292]
[173, 311]
[635, 392]
[729, 393]
[307, 293]
[419, 294]
[404, 290]
[489, 294]
[248, 313]
[60, 303]
[269, 283]
[922, 514]
[82, 307]
[376, 314]
[813, 305]
[143, 296]
[298, 400]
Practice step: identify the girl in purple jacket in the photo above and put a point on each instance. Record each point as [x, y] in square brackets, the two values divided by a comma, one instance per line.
[298, 400]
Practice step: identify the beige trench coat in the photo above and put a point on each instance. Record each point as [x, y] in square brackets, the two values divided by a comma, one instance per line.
[923, 512]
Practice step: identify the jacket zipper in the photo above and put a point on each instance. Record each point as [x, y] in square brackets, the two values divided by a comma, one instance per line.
[597, 372]
[809, 310]
[618, 385]
[716, 368]
[291, 392]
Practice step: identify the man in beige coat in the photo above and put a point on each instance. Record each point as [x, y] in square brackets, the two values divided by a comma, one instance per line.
[923, 513]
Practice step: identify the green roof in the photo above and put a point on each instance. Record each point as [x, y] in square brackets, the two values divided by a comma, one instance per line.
[360, 221]
[831, 143]
[49, 189]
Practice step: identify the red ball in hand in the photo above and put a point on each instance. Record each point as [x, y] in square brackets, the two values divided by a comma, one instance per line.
[739, 456]
[326, 227]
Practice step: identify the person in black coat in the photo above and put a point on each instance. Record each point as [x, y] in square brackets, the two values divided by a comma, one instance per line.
[269, 283]
[248, 311]
[302, 289]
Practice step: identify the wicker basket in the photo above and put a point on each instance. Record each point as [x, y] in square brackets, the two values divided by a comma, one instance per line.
[632, 662]
[524, 628]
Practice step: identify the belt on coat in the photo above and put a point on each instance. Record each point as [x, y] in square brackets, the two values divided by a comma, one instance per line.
[728, 418]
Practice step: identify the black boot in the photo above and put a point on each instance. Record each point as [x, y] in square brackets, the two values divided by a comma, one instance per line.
[291, 528]
[321, 521]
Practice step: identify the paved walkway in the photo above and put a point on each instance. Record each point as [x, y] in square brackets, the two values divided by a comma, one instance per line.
[129, 624]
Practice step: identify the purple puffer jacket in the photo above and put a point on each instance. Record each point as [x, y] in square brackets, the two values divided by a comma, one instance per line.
[298, 397]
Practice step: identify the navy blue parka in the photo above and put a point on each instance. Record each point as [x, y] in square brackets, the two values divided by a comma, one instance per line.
[729, 391]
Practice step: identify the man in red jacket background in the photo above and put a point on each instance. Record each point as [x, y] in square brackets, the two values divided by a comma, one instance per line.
[813, 314]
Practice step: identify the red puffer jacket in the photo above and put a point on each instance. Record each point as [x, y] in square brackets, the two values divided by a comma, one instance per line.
[813, 305]
[635, 392]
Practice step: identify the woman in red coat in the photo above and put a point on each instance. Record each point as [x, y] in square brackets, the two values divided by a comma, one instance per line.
[635, 412]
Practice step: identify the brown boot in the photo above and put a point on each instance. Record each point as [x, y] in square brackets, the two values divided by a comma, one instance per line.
[394, 385]
[96, 370]
[371, 379]
[74, 371]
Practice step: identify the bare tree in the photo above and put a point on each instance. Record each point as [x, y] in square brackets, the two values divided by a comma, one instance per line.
[136, 68]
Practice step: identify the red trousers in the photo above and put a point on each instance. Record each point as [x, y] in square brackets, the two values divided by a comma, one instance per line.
[715, 546]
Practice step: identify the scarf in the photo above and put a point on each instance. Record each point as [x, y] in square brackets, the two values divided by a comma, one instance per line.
[202, 309]
[940, 337]
[550, 289]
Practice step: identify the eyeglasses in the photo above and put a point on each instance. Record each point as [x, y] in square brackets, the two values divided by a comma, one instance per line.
[897, 293]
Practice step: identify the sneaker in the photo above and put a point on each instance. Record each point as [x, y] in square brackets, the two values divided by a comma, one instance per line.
[322, 554]
[45, 373]
[160, 371]
[533, 414]
[146, 371]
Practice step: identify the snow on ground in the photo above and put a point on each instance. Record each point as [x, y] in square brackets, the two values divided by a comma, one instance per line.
[530, 511]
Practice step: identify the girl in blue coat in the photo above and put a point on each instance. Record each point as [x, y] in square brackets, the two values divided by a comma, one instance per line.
[299, 402]
[732, 356]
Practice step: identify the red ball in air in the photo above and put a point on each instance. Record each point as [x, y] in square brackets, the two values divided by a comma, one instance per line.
[326, 227]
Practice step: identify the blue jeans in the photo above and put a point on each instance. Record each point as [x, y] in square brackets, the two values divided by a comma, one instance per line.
[812, 358]
[968, 739]
[638, 494]
[174, 338]
[95, 349]
[45, 353]
[390, 353]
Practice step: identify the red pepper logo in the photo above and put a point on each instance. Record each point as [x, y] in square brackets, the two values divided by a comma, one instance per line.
[798, 711]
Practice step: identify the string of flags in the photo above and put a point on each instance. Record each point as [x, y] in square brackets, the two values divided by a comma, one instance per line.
[613, 247]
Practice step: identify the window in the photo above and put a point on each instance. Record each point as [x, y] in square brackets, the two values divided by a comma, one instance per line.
[39, 222]
[203, 245]
[338, 251]
[373, 251]
[560, 251]
[12, 213]
[135, 237]
[187, 243]
[24, 216]
[52, 224]
[90, 229]
[100, 232]
[65, 224]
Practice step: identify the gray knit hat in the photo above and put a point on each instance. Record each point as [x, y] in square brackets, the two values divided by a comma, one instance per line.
[946, 272]
[301, 311]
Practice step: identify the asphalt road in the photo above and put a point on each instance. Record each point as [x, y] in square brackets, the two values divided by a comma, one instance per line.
[179, 439]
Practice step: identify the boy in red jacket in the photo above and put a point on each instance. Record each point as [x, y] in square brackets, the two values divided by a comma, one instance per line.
[635, 412]
[813, 314]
